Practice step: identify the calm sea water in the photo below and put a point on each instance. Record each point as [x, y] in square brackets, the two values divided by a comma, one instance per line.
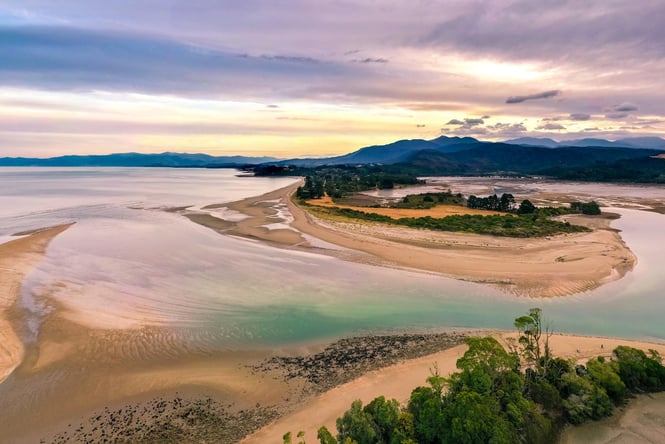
[128, 264]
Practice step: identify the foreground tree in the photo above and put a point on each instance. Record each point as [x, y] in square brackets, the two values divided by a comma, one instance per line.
[492, 400]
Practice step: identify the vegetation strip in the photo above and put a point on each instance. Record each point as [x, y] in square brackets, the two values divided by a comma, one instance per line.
[523, 394]
[534, 225]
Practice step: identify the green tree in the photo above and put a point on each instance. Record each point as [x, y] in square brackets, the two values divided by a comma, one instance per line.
[526, 207]
[605, 375]
[475, 418]
[356, 424]
[426, 407]
[384, 415]
[638, 371]
[530, 331]
[324, 436]
[584, 400]
[507, 202]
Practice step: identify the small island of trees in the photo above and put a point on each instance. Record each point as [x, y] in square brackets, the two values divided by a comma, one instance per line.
[523, 394]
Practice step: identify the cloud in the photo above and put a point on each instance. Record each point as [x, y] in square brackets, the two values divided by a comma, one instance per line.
[551, 127]
[579, 116]
[469, 122]
[625, 107]
[621, 111]
[616, 116]
[542, 95]
[272, 106]
[485, 117]
[371, 60]
[602, 32]
[69, 59]
[497, 131]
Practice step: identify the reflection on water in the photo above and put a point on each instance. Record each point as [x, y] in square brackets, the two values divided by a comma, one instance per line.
[120, 267]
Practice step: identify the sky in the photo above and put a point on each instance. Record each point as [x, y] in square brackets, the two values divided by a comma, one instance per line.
[290, 78]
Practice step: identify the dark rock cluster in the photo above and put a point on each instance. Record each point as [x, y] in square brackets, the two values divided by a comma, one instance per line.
[168, 420]
[349, 358]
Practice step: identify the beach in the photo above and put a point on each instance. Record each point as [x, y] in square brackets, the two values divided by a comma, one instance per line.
[17, 258]
[535, 267]
[78, 381]
[399, 380]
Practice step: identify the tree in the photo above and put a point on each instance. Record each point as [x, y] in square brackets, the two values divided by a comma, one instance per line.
[530, 330]
[638, 371]
[584, 400]
[484, 362]
[384, 415]
[507, 202]
[324, 436]
[604, 374]
[475, 418]
[356, 425]
[526, 207]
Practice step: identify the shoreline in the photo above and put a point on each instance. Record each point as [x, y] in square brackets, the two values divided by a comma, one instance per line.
[553, 266]
[75, 379]
[397, 381]
[17, 258]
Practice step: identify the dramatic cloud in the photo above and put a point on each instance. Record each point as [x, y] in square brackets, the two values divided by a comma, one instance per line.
[74, 59]
[542, 95]
[380, 72]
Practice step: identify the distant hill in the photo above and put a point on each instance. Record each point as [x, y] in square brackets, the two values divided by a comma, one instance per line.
[394, 152]
[137, 160]
[630, 142]
[503, 158]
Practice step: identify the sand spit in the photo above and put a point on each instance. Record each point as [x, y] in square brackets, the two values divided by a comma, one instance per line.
[214, 397]
[397, 381]
[534, 267]
[17, 258]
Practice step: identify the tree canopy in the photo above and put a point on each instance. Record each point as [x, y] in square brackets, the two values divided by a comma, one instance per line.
[519, 395]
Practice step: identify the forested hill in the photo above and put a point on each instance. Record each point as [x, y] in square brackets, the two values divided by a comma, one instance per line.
[501, 158]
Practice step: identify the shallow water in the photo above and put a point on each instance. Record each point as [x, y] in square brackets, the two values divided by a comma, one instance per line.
[121, 267]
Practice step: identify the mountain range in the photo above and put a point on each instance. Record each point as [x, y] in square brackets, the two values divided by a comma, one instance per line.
[631, 142]
[463, 154]
[166, 159]
[622, 161]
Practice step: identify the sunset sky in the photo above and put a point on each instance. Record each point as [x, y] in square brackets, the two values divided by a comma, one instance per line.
[307, 77]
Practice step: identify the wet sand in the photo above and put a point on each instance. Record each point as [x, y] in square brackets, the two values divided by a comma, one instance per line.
[17, 258]
[91, 384]
[641, 422]
[536, 267]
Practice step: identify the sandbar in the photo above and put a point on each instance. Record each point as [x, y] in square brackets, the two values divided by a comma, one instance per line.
[17, 258]
[535, 267]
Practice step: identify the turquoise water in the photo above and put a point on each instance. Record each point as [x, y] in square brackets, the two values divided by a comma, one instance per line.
[126, 264]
